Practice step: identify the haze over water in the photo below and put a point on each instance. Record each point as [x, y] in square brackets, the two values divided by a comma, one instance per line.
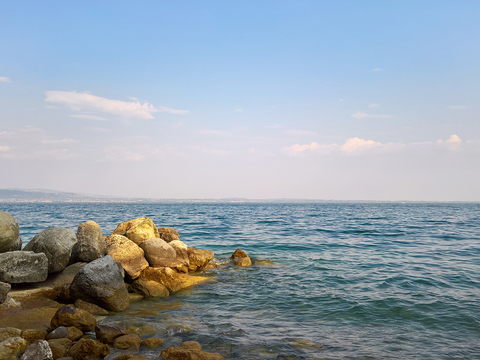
[352, 281]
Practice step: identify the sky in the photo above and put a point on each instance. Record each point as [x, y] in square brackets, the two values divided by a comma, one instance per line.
[332, 100]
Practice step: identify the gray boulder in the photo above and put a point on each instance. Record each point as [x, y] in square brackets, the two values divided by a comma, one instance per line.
[17, 245]
[4, 289]
[56, 244]
[100, 282]
[38, 350]
[23, 267]
[8, 231]
[90, 244]
[159, 253]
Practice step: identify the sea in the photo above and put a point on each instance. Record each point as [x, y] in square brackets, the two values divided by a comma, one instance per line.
[348, 280]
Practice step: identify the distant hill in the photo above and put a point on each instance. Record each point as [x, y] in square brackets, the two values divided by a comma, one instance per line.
[43, 195]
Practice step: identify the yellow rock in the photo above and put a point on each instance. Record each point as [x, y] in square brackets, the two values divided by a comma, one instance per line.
[172, 280]
[137, 230]
[127, 253]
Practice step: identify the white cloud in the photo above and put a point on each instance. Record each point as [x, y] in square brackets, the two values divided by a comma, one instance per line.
[452, 143]
[88, 102]
[4, 148]
[377, 69]
[363, 115]
[298, 149]
[457, 107]
[373, 105]
[89, 117]
[5, 79]
[63, 141]
[356, 144]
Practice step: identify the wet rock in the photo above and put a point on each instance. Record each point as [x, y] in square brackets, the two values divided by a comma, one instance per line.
[90, 243]
[71, 316]
[100, 282]
[175, 329]
[123, 354]
[16, 246]
[168, 234]
[14, 346]
[137, 230]
[8, 231]
[198, 258]
[91, 308]
[4, 289]
[60, 347]
[172, 280]
[142, 330]
[127, 253]
[58, 333]
[240, 258]
[158, 253]
[305, 344]
[108, 332]
[8, 332]
[38, 350]
[32, 335]
[85, 349]
[23, 267]
[127, 341]
[152, 342]
[149, 288]
[264, 262]
[73, 333]
[189, 353]
[56, 244]
[191, 345]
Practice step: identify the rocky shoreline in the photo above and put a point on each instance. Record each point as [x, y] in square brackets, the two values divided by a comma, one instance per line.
[54, 290]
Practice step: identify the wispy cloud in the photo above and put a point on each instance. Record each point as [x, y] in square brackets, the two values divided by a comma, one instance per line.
[5, 79]
[457, 107]
[238, 110]
[363, 115]
[377, 69]
[4, 148]
[125, 109]
[374, 105]
[89, 117]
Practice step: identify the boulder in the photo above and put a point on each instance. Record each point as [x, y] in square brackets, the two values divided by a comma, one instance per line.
[8, 231]
[73, 333]
[23, 267]
[152, 342]
[58, 333]
[32, 335]
[127, 253]
[4, 289]
[108, 332]
[38, 350]
[137, 230]
[149, 288]
[85, 349]
[60, 347]
[91, 308]
[56, 244]
[181, 250]
[198, 259]
[100, 282]
[71, 316]
[8, 332]
[240, 258]
[158, 253]
[14, 346]
[90, 244]
[172, 280]
[168, 234]
[17, 245]
[127, 341]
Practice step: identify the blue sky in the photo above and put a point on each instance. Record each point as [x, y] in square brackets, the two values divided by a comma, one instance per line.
[344, 100]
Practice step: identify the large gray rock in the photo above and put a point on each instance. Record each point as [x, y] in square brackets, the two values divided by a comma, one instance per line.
[159, 253]
[38, 350]
[4, 289]
[90, 244]
[56, 244]
[23, 267]
[17, 245]
[8, 231]
[100, 282]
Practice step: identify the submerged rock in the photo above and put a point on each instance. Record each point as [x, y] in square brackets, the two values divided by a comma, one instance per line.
[127, 253]
[240, 258]
[56, 244]
[172, 280]
[90, 244]
[137, 230]
[101, 282]
[127, 341]
[8, 231]
[148, 288]
[108, 332]
[152, 342]
[23, 267]
[189, 350]
[168, 234]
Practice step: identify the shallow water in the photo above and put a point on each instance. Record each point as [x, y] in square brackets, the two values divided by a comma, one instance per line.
[352, 281]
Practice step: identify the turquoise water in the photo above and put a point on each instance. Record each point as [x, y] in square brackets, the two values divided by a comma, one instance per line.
[352, 281]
